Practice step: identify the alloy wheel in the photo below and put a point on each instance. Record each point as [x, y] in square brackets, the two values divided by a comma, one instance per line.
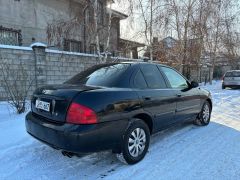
[206, 113]
[136, 142]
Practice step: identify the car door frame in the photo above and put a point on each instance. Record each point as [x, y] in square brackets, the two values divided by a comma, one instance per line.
[187, 112]
[158, 119]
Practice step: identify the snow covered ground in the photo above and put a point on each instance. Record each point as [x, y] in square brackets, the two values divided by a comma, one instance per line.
[182, 152]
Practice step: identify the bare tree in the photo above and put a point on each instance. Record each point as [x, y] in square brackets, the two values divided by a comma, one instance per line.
[96, 25]
[231, 38]
[199, 27]
[149, 18]
[16, 82]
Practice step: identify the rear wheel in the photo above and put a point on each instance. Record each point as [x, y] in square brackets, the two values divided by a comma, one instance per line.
[205, 115]
[135, 142]
[223, 87]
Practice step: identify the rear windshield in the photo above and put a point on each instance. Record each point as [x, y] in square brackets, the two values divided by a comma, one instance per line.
[233, 74]
[106, 75]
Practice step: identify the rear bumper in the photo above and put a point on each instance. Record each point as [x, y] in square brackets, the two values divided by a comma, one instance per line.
[231, 83]
[77, 138]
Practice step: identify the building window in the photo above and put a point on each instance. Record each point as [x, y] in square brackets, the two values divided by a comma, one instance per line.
[10, 36]
[93, 49]
[101, 48]
[88, 16]
[100, 12]
[72, 45]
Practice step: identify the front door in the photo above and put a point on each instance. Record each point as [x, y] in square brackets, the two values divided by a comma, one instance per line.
[187, 98]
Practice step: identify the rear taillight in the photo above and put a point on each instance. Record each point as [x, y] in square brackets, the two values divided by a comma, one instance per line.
[223, 78]
[79, 114]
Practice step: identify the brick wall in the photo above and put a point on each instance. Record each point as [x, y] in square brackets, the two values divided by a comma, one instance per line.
[44, 66]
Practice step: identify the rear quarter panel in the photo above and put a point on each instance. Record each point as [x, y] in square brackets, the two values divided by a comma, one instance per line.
[111, 104]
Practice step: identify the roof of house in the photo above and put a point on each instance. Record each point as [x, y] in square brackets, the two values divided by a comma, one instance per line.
[118, 14]
[128, 43]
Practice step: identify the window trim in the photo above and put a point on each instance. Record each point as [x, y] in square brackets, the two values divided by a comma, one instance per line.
[11, 30]
[72, 41]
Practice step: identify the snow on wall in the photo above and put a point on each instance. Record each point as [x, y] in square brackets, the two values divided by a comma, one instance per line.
[38, 44]
[3, 46]
[70, 53]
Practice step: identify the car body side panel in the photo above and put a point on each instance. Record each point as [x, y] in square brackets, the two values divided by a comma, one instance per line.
[188, 104]
[110, 104]
[204, 95]
[160, 104]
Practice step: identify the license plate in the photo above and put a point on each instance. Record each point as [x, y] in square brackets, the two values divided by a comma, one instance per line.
[43, 105]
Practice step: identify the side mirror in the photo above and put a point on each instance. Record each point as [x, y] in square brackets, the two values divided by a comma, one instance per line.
[194, 84]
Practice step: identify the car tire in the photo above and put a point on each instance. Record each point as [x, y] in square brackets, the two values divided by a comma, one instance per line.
[204, 116]
[223, 87]
[135, 142]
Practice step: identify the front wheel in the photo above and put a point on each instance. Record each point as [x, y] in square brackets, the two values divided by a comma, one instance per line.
[205, 115]
[136, 142]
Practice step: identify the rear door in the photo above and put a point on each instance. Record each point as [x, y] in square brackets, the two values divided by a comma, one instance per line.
[156, 97]
[187, 98]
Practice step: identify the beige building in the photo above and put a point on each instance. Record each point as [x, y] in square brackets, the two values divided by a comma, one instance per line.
[61, 24]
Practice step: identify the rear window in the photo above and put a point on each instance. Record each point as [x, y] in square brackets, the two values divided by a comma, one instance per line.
[106, 75]
[233, 74]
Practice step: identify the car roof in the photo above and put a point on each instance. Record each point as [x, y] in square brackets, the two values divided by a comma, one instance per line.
[143, 62]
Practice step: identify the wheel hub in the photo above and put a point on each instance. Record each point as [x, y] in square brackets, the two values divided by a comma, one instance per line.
[206, 113]
[136, 142]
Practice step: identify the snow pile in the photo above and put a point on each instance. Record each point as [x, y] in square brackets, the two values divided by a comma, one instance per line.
[182, 152]
[38, 44]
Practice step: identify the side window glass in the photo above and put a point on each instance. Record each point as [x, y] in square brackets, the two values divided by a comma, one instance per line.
[153, 76]
[175, 79]
[139, 81]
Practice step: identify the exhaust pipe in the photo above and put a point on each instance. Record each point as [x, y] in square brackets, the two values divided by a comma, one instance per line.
[67, 154]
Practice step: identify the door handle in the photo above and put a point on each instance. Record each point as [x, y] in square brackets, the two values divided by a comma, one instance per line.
[147, 98]
[178, 95]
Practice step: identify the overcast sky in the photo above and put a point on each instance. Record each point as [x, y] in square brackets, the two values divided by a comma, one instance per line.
[129, 28]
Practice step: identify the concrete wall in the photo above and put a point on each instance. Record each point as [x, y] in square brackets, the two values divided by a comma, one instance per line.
[44, 66]
[33, 16]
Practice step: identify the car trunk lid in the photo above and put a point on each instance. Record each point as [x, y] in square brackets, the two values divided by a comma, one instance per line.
[52, 102]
